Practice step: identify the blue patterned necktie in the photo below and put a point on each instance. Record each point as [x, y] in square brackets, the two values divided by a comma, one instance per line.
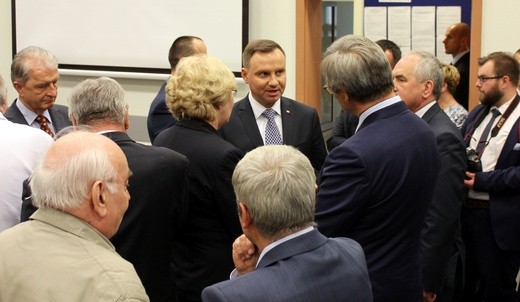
[272, 134]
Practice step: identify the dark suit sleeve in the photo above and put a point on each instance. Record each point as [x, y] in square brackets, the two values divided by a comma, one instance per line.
[338, 133]
[212, 294]
[442, 218]
[225, 195]
[341, 193]
[27, 206]
[181, 189]
[319, 151]
[499, 180]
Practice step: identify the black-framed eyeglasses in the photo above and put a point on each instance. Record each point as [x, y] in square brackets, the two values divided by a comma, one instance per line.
[483, 79]
[328, 89]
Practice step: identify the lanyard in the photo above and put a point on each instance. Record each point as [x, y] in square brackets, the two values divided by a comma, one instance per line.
[500, 122]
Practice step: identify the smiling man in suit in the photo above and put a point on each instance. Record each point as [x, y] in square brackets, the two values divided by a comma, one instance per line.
[34, 74]
[281, 256]
[292, 123]
[418, 79]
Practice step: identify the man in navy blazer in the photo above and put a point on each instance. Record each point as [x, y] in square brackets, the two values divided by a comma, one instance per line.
[418, 80]
[281, 257]
[491, 212]
[34, 73]
[297, 123]
[376, 187]
[159, 116]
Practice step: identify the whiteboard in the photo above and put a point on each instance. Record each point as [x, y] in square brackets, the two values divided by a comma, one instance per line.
[129, 35]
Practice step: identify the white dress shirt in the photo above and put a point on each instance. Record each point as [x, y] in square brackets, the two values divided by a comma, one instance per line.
[261, 120]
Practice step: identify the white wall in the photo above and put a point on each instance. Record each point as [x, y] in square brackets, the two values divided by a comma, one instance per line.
[272, 19]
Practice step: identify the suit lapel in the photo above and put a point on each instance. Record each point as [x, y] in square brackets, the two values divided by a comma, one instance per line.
[301, 244]
[247, 117]
[15, 115]
[287, 121]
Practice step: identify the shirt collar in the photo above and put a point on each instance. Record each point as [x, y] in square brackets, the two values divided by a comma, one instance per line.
[457, 57]
[30, 116]
[258, 108]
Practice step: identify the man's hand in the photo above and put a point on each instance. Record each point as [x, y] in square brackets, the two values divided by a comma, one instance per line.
[245, 255]
[469, 181]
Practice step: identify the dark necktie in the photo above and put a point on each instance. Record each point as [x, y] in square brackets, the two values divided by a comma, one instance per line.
[42, 120]
[272, 134]
[484, 137]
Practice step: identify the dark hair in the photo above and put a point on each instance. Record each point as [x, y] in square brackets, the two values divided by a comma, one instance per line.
[181, 47]
[263, 46]
[394, 49]
[505, 65]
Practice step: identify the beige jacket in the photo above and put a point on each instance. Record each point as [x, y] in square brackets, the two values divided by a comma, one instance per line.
[58, 257]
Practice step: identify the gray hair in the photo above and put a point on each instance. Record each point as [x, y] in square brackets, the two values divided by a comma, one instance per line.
[25, 60]
[277, 185]
[98, 99]
[357, 66]
[3, 92]
[64, 180]
[429, 68]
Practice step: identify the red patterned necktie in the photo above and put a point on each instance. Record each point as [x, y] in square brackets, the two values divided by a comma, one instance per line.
[42, 120]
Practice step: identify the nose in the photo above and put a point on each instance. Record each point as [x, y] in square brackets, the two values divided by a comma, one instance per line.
[52, 90]
[273, 80]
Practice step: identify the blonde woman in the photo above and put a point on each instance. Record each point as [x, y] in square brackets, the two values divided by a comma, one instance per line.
[447, 102]
[200, 95]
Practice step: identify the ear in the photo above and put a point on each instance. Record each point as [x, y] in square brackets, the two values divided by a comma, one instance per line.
[244, 215]
[73, 120]
[428, 89]
[18, 86]
[444, 87]
[98, 200]
[127, 120]
[244, 74]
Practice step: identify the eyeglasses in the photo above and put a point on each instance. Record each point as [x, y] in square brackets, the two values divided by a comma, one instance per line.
[483, 79]
[328, 89]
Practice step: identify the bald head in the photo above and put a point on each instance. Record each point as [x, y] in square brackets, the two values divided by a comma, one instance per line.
[457, 39]
[85, 175]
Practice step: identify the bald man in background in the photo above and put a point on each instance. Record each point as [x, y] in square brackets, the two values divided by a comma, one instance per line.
[456, 43]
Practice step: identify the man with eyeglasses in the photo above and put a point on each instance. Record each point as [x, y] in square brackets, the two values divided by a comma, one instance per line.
[491, 213]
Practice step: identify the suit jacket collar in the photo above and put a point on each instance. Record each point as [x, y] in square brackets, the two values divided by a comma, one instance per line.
[14, 114]
[197, 125]
[430, 113]
[384, 113]
[118, 136]
[246, 115]
[301, 244]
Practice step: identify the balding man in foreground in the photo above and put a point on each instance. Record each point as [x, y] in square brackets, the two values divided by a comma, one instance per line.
[63, 253]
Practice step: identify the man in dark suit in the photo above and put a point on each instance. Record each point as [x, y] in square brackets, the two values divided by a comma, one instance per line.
[159, 116]
[456, 43]
[34, 73]
[376, 187]
[158, 187]
[296, 124]
[281, 257]
[346, 122]
[491, 212]
[418, 80]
